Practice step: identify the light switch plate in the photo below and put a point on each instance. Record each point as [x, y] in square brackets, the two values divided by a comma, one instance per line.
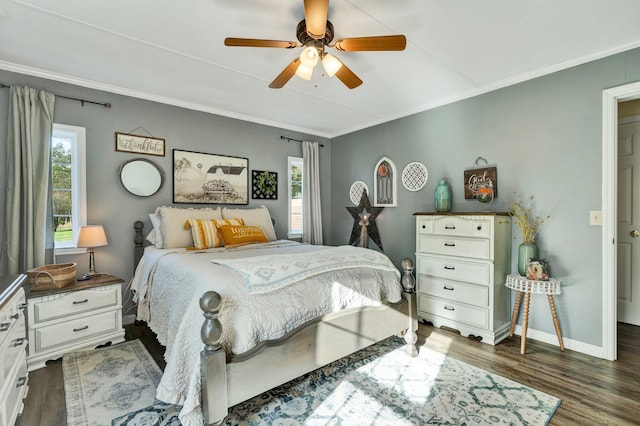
[595, 217]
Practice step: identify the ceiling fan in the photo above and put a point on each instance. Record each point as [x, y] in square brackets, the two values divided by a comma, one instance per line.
[315, 33]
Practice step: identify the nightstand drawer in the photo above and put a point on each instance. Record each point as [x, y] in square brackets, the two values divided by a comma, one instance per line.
[477, 295]
[74, 303]
[459, 312]
[455, 269]
[478, 248]
[62, 334]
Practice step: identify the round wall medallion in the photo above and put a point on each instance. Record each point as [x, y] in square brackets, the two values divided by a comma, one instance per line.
[356, 190]
[414, 176]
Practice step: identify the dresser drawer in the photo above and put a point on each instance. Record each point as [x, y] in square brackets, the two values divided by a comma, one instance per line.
[454, 311]
[456, 226]
[63, 334]
[16, 389]
[74, 303]
[12, 348]
[456, 269]
[456, 291]
[477, 248]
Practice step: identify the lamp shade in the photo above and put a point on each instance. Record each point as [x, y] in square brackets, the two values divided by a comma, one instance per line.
[304, 71]
[331, 64]
[309, 56]
[91, 236]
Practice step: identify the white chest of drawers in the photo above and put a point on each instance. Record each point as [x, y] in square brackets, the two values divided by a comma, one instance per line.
[81, 316]
[462, 261]
[13, 344]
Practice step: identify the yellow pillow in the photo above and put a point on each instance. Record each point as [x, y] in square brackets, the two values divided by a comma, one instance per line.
[235, 235]
[205, 232]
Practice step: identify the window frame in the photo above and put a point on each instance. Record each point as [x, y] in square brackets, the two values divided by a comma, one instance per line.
[291, 161]
[78, 185]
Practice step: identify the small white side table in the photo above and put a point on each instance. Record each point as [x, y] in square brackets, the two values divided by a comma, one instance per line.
[526, 286]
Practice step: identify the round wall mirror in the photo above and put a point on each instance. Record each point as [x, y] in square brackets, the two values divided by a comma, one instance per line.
[141, 177]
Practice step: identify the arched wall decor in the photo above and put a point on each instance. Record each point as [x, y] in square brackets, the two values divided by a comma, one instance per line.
[385, 184]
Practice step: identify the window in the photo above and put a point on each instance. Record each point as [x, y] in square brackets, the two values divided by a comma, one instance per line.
[69, 185]
[295, 197]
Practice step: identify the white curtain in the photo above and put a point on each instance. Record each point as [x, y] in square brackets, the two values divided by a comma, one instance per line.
[28, 227]
[312, 209]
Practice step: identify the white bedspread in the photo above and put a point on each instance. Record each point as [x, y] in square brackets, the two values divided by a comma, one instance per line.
[172, 281]
[262, 274]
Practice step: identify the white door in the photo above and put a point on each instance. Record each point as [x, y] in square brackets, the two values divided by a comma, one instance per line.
[629, 223]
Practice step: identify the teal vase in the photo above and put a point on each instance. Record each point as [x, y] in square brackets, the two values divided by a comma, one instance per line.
[526, 251]
[443, 197]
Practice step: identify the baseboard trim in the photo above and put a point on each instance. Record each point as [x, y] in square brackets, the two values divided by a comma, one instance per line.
[552, 339]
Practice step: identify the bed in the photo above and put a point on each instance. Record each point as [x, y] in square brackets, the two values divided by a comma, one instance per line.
[294, 307]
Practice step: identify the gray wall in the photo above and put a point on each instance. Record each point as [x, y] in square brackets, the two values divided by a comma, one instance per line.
[544, 136]
[111, 205]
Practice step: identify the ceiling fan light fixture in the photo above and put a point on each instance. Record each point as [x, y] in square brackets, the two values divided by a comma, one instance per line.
[304, 72]
[331, 64]
[309, 56]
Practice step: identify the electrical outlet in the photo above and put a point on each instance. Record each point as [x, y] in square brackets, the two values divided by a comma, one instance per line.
[595, 217]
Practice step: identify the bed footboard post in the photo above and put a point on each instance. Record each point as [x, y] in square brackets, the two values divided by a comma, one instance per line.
[213, 363]
[409, 288]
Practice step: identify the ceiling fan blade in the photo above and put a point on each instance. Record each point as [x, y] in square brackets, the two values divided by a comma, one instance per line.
[315, 16]
[348, 77]
[392, 42]
[254, 42]
[285, 75]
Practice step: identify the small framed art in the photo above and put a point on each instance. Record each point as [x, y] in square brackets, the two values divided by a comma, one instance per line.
[264, 185]
[137, 144]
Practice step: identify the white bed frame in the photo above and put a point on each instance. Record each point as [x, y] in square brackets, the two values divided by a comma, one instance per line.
[228, 379]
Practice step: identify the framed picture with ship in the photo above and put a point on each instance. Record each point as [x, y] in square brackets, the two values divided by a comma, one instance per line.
[201, 178]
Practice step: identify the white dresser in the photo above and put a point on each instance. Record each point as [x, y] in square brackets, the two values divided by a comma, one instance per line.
[79, 316]
[13, 345]
[462, 260]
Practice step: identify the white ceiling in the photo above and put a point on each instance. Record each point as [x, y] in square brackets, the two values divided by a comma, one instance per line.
[172, 51]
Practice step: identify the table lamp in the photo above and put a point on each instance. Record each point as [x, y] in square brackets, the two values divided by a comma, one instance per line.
[91, 236]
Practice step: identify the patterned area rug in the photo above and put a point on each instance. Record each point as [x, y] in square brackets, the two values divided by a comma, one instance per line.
[381, 385]
[105, 383]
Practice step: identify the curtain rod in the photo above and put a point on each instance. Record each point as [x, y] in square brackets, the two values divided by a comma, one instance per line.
[297, 140]
[82, 101]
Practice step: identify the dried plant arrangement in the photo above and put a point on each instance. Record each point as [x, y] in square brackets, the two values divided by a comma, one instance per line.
[528, 224]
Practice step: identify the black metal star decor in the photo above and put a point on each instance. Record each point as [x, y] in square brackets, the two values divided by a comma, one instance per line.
[364, 217]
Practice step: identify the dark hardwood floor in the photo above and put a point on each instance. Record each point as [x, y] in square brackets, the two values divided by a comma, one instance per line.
[593, 391]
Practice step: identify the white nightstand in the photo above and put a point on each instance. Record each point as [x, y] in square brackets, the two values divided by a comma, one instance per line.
[80, 316]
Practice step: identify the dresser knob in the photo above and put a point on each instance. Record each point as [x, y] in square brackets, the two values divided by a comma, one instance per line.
[21, 381]
[449, 308]
[19, 342]
[479, 228]
[15, 316]
[4, 326]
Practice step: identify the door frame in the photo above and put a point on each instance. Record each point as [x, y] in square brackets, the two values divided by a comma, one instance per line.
[610, 99]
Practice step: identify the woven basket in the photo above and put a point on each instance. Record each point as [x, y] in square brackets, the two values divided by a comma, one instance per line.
[58, 275]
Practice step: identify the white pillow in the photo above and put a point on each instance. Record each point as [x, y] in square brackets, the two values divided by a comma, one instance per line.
[253, 217]
[156, 233]
[151, 237]
[174, 233]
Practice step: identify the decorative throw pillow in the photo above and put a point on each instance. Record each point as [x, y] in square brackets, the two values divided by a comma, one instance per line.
[234, 235]
[205, 232]
[254, 217]
[174, 234]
